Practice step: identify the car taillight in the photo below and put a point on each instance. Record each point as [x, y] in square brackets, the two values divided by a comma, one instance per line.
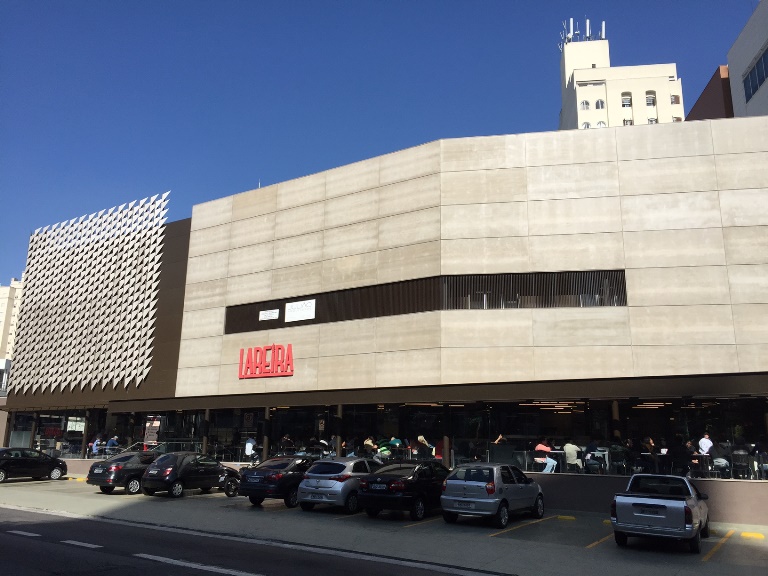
[306, 476]
[274, 477]
[167, 471]
[688, 516]
[490, 487]
[397, 486]
[364, 484]
[340, 477]
[114, 468]
[445, 485]
[613, 509]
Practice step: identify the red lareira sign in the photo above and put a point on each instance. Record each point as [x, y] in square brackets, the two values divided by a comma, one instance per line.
[267, 362]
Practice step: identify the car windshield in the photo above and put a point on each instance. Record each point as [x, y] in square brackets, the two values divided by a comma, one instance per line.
[473, 474]
[327, 468]
[274, 464]
[120, 459]
[397, 469]
[166, 460]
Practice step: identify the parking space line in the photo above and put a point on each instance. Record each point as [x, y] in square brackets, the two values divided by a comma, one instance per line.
[600, 541]
[717, 546]
[566, 517]
[81, 544]
[346, 516]
[422, 522]
[753, 535]
[22, 533]
[607, 521]
[521, 526]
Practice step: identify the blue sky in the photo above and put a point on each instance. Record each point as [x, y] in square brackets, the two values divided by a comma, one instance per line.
[104, 102]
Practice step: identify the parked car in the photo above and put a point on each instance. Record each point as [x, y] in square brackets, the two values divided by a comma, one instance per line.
[122, 471]
[27, 462]
[178, 471]
[335, 481]
[490, 490]
[277, 477]
[660, 505]
[409, 485]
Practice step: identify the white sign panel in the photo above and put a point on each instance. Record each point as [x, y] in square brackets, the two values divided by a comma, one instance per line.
[295, 311]
[269, 315]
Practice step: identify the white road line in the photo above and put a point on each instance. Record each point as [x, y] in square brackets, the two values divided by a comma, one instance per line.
[82, 544]
[196, 566]
[22, 533]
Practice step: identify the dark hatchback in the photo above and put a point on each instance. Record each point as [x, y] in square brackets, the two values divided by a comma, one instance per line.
[29, 463]
[277, 477]
[409, 485]
[178, 471]
[122, 471]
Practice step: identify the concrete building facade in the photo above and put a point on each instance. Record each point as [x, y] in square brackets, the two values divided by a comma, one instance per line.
[10, 300]
[748, 65]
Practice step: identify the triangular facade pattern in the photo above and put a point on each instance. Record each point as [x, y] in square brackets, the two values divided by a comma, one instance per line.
[87, 317]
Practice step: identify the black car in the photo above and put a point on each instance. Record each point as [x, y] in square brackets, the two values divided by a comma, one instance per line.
[26, 462]
[178, 471]
[277, 477]
[410, 485]
[122, 471]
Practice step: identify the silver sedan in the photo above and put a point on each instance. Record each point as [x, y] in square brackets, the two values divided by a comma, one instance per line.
[335, 481]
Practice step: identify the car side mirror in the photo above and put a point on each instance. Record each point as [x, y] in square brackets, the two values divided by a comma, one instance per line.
[703, 497]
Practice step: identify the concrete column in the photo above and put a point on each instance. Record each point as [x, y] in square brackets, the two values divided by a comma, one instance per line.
[34, 430]
[84, 447]
[340, 431]
[265, 439]
[615, 419]
[206, 425]
[10, 419]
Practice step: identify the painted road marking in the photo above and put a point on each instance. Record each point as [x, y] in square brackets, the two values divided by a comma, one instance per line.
[422, 522]
[521, 526]
[22, 533]
[600, 541]
[717, 546]
[608, 522]
[81, 544]
[753, 535]
[566, 517]
[196, 566]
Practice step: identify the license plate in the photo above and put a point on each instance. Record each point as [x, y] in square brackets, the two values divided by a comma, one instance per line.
[649, 511]
[254, 479]
[378, 486]
[316, 496]
[221, 478]
[153, 472]
[98, 470]
[468, 505]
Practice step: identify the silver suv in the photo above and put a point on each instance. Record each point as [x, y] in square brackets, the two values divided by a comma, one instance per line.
[491, 490]
[335, 481]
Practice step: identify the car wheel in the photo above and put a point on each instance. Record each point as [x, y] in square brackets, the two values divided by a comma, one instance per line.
[307, 506]
[419, 509]
[372, 512]
[107, 489]
[694, 544]
[621, 538]
[450, 517]
[3, 476]
[538, 507]
[55, 474]
[148, 491]
[292, 500]
[206, 489]
[705, 530]
[501, 518]
[351, 504]
[231, 488]
[255, 500]
[133, 486]
[176, 490]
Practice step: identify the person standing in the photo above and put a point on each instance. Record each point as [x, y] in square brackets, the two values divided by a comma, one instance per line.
[250, 449]
[705, 444]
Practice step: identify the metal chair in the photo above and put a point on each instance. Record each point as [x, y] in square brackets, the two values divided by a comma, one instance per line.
[740, 465]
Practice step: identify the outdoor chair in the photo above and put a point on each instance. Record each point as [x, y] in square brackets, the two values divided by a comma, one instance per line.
[740, 464]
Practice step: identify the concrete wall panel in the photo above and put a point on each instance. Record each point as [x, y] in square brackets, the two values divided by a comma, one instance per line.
[254, 203]
[684, 286]
[350, 271]
[250, 259]
[408, 368]
[350, 371]
[306, 190]
[577, 252]
[203, 323]
[483, 153]
[300, 220]
[348, 338]
[671, 211]
[214, 213]
[349, 240]
[410, 228]
[750, 322]
[753, 357]
[297, 280]
[484, 220]
[674, 325]
[608, 326]
[200, 352]
[736, 171]
[484, 186]
[485, 255]
[664, 141]
[670, 248]
[409, 195]
[409, 332]
[486, 328]
[256, 230]
[352, 178]
[352, 208]
[208, 267]
[744, 207]
[199, 381]
[665, 175]
[249, 288]
[746, 245]
[671, 360]
[411, 163]
[749, 283]
[205, 295]
[209, 240]
[497, 364]
[581, 362]
[739, 135]
[298, 250]
[591, 180]
[409, 262]
[570, 147]
[579, 216]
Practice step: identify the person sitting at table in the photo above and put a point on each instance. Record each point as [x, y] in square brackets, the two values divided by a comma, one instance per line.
[572, 460]
[650, 455]
[720, 461]
[542, 457]
[682, 458]
[594, 462]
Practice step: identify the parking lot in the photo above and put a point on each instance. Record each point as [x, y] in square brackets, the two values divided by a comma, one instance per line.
[558, 542]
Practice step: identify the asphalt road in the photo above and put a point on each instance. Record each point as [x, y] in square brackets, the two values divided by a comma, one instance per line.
[223, 535]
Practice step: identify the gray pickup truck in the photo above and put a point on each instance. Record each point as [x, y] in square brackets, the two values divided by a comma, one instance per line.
[663, 506]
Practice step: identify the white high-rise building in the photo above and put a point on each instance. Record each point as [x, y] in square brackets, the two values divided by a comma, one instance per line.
[10, 299]
[597, 95]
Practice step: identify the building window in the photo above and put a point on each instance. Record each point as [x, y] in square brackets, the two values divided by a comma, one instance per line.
[601, 124]
[628, 122]
[756, 76]
[650, 98]
[674, 99]
[653, 120]
[626, 100]
[585, 104]
[600, 104]
[586, 126]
